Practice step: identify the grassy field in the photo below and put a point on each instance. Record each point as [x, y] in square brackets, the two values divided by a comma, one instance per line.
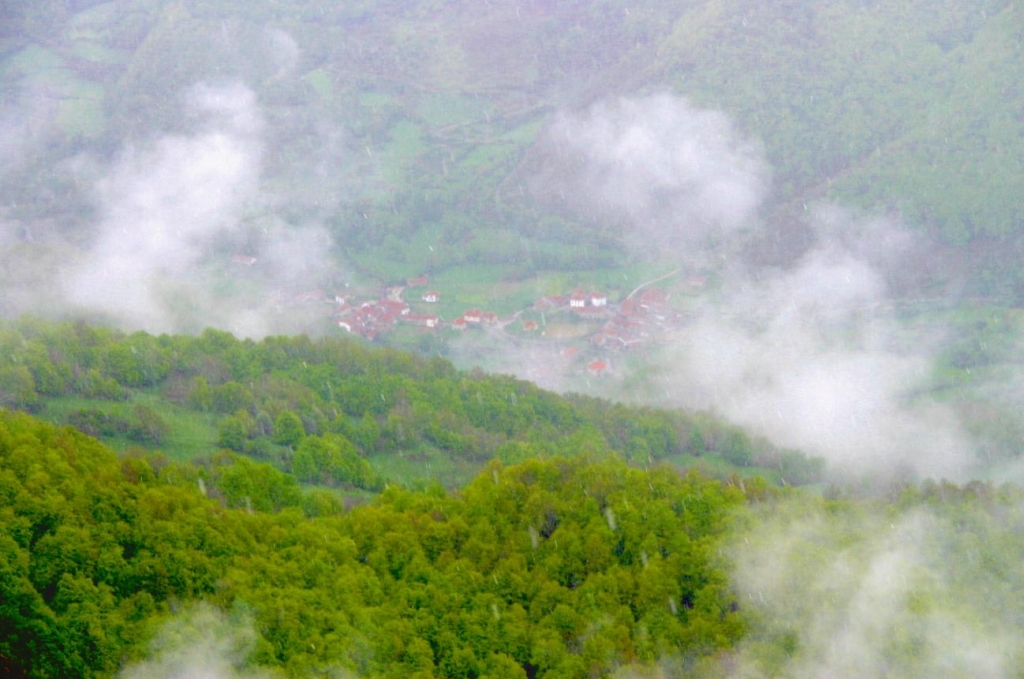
[425, 466]
[191, 433]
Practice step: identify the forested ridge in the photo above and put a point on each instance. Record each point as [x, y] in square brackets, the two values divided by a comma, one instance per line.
[336, 412]
[556, 567]
[569, 550]
[315, 505]
[563, 567]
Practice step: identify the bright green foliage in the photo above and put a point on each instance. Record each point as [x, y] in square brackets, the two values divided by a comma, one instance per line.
[288, 429]
[231, 434]
[150, 427]
[89, 550]
[347, 467]
[562, 568]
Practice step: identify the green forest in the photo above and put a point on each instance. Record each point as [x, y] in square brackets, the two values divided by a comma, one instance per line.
[259, 502]
[803, 220]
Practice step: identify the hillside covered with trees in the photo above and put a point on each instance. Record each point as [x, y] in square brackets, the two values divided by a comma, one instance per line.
[562, 567]
[801, 217]
[337, 413]
[556, 567]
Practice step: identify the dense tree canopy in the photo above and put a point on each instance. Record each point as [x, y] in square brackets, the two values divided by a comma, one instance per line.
[559, 568]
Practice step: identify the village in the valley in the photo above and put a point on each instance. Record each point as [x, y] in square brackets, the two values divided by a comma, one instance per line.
[604, 327]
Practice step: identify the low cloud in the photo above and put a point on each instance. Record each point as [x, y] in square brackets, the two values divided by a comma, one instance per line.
[164, 204]
[172, 213]
[283, 50]
[667, 173]
[850, 595]
[813, 358]
[25, 123]
[201, 643]
[809, 354]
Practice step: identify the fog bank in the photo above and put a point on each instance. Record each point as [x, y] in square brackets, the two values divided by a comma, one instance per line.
[667, 173]
[857, 594]
[809, 354]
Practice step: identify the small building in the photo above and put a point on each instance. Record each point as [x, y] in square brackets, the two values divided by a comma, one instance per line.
[597, 367]
[488, 317]
[459, 323]
[598, 299]
[431, 296]
[529, 326]
[473, 316]
[578, 299]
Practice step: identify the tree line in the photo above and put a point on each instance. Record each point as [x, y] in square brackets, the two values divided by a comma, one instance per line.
[321, 408]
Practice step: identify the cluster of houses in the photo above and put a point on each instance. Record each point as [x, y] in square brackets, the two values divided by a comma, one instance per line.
[474, 317]
[627, 325]
[635, 321]
[371, 318]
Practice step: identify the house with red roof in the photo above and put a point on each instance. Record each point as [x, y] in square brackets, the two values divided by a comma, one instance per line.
[431, 296]
[597, 367]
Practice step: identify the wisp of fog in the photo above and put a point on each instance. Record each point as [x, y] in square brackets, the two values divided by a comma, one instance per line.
[671, 174]
[169, 206]
[808, 355]
[868, 594]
